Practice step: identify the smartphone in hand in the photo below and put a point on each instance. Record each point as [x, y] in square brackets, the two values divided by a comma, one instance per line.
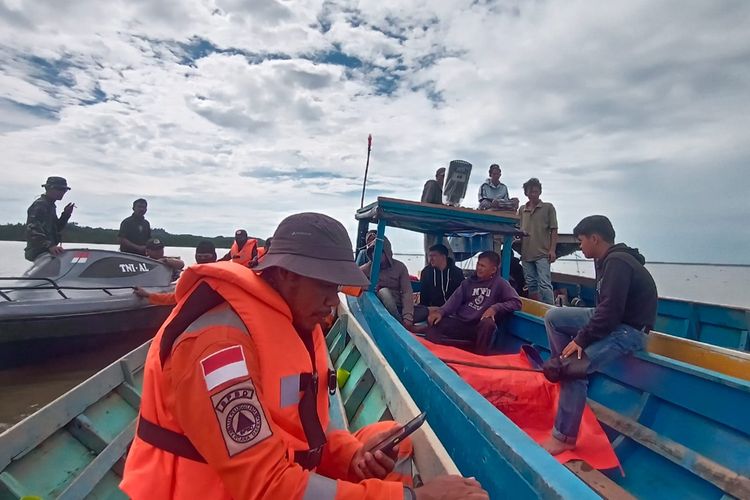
[389, 444]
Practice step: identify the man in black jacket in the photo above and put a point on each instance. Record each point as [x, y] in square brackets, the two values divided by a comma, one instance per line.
[624, 314]
[433, 193]
[440, 278]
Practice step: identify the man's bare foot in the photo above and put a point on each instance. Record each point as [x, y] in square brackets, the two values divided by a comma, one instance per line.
[554, 446]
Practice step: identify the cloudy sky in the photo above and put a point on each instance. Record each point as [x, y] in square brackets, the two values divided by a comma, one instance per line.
[236, 113]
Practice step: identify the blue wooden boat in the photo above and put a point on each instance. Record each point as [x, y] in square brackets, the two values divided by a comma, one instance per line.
[679, 430]
[714, 324]
[75, 446]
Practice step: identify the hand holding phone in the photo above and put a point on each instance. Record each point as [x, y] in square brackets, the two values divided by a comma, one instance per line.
[389, 444]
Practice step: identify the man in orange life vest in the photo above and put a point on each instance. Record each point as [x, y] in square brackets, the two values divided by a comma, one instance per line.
[243, 250]
[235, 399]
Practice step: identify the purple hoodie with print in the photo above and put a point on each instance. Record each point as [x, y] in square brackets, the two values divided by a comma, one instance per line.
[474, 297]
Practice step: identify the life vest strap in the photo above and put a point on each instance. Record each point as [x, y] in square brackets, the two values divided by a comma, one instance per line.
[168, 440]
[201, 300]
[309, 459]
[179, 444]
[332, 382]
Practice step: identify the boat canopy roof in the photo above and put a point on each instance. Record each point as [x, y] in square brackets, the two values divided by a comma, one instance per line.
[437, 219]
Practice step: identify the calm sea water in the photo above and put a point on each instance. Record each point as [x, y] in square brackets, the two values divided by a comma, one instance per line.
[717, 284]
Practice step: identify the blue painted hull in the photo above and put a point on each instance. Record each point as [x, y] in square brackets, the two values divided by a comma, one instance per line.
[481, 441]
[714, 324]
[701, 411]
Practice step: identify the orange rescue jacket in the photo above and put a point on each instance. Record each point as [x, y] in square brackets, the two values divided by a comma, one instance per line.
[228, 383]
[249, 252]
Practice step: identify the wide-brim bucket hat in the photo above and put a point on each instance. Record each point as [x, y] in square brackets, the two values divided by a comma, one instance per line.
[315, 246]
[56, 183]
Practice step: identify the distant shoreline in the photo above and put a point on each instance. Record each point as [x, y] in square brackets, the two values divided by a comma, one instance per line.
[73, 233]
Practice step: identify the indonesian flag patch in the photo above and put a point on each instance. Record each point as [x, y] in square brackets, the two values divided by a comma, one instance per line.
[224, 366]
[80, 258]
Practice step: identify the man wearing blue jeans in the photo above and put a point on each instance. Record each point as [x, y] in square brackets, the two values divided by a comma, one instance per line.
[538, 221]
[624, 314]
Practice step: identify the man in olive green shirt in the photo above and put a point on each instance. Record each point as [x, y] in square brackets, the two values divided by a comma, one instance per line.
[43, 226]
[539, 224]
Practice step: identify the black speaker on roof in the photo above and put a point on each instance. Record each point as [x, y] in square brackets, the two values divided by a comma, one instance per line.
[456, 182]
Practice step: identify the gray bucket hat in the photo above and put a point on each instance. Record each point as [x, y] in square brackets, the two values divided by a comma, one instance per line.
[315, 246]
[56, 182]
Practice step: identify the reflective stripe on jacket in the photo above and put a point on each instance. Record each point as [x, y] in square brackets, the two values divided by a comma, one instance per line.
[248, 444]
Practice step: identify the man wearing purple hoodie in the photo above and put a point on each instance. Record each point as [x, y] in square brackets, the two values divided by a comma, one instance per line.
[470, 315]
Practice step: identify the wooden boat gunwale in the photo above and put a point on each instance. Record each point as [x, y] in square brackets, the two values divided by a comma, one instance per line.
[430, 457]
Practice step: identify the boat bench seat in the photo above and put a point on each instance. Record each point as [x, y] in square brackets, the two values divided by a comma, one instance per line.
[597, 481]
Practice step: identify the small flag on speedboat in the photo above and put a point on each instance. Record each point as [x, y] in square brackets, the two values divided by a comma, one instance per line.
[223, 366]
[80, 258]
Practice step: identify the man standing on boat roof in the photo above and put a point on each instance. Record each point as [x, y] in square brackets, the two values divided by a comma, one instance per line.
[43, 227]
[243, 251]
[433, 193]
[539, 225]
[135, 230]
[624, 314]
[235, 400]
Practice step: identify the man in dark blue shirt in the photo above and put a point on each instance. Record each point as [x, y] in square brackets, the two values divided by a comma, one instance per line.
[135, 230]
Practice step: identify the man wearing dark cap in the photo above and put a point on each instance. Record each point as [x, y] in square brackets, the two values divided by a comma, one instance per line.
[205, 253]
[244, 250]
[43, 227]
[135, 230]
[236, 387]
[155, 250]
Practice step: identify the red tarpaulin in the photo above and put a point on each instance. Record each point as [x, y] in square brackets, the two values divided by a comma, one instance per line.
[530, 401]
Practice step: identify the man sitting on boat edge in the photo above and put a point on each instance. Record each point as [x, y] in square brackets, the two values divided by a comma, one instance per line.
[155, 250]
[205, 253]
[624, 314]
[394, 286]
[471, 314]
[235, 397]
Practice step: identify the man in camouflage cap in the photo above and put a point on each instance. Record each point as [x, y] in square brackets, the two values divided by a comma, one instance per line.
[43, 227]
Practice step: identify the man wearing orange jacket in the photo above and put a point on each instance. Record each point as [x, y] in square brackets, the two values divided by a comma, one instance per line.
[243, 250]
[236, 386]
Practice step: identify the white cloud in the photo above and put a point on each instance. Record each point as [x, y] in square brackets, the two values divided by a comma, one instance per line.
[636, 110]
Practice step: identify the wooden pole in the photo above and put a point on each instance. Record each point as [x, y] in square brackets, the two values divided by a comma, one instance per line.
[367, 167]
